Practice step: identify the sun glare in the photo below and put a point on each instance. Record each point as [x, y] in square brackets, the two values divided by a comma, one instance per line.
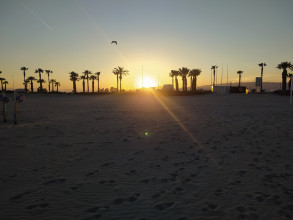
[147, 83]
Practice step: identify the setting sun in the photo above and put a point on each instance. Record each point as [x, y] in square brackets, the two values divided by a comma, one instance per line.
[147, 83]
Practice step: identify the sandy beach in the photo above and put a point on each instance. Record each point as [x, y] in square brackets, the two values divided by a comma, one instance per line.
[148, 157]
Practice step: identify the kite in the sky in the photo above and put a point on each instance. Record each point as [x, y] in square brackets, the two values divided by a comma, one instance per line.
[114, 42]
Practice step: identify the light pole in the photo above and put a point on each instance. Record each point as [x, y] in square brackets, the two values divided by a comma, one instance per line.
[261, 65]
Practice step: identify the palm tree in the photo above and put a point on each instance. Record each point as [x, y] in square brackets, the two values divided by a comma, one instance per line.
[40, 71]
[31, 79]
[98, 78]
[5, 83]
[74, 77]
[239, 72]
[48, 73]
[290, 80]
[284, 66]
[41, 81]
[116, 72]
[176, 74]
[121, 72]
[93, 78]
[183, 72]
[172, 74]
[261, 65]
[52, 81]
[193, 74]
[2, 79]
[25, 84]
[214, 68]
[57, 84]
[87, 73]
[83, 83]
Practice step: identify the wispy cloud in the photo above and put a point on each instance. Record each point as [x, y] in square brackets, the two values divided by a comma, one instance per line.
[35, 15]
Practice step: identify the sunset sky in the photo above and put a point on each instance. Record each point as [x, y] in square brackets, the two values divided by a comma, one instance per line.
[76, 35]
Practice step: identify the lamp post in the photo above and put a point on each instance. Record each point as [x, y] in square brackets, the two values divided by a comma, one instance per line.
[261, 65]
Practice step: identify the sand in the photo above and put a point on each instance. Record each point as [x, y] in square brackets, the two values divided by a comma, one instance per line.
[135, 157]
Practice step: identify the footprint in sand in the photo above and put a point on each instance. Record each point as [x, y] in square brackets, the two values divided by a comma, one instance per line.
[92, 173]
[55, 181]
[162, 206]
[40, 205]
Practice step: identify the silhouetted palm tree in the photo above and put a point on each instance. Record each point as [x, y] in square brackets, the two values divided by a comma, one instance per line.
[2, 79]
[25, 84]
[176, 74]
[98, 78]
[53, 81]
[173, 75]
[31, 79]
[87, 73]
[93, 78]
[40, 71]
[284, 66]
[239, 72]
[74, 78]
[41, 81]
[116, 72]
[261, 65]
[48, 73]
[57, 84]
[83, 83]
[193, 74]
[5, 83]
[214, 72]
[290, 80]
[183, 72]
[121, 72]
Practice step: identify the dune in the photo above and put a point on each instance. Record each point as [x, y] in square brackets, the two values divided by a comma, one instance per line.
[148, 157]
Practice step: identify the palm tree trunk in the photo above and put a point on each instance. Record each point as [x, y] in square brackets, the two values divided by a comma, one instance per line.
[93, 86]
[239, 79]
[83, 86]
[117, 82]
[88, 88]
[284, 79]
[98, 84]
[41, 86]
[194, 81]
[32, 86]
[25, 85]
[173, 82]
[74, 86]
[49, 83]
[120, 81]
[176, 82]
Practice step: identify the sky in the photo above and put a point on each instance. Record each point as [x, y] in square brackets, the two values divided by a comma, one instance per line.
[154, 37]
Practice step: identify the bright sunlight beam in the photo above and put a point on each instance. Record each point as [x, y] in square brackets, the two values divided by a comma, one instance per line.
[147, 82]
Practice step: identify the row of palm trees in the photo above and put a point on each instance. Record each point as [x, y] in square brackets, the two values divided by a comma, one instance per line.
[31, 79]
[184, 72]
[3, 82]
[87, 75]
[119, 72]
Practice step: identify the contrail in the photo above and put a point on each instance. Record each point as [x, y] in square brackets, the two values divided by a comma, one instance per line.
[36, 16]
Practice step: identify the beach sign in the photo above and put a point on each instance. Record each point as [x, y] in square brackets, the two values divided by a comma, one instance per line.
[20, 98]
[17, 98]
[4, 99]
